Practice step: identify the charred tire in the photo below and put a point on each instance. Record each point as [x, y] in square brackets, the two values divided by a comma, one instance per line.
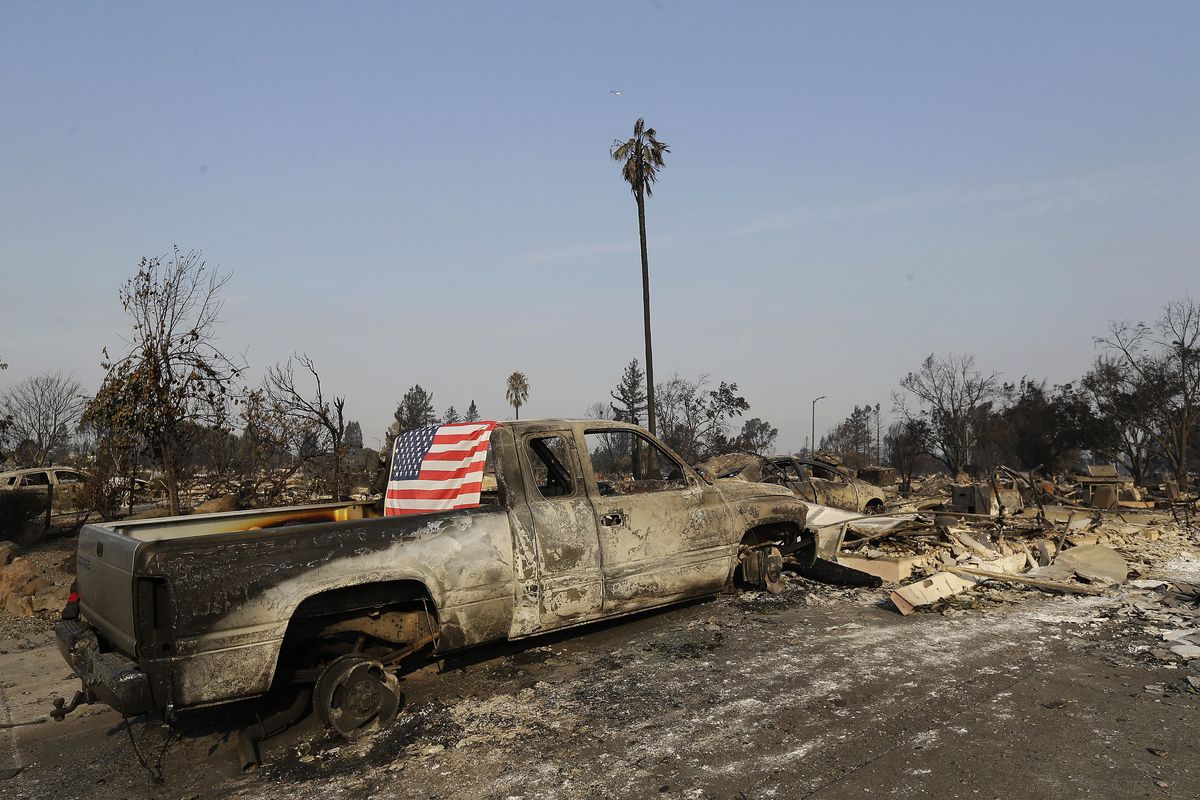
[355, 696]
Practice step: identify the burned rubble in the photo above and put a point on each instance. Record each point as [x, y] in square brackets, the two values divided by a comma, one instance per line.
[1118, 584]
[1009, 536]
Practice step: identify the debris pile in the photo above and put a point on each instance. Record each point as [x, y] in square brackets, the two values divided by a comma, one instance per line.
[1169, 611]
[933, 556]
[1007, 491]
[24, 590]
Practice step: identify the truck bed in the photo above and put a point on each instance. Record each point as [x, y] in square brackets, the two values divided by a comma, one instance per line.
[153, 530]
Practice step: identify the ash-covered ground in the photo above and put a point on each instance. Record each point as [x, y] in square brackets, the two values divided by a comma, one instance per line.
[818, 692]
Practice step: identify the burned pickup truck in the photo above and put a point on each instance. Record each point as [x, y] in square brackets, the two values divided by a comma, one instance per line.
[575, 521]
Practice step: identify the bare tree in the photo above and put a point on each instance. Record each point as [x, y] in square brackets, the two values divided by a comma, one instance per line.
[694, 420]
[906, 444]
[1121, 411]
[1160, 366]
[598, 410]
[326, 415]
[43, 411]
[272, 445]
[951, 398]
[173, 377]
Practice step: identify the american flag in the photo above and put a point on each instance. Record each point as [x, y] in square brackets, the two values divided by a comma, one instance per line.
[437, 468]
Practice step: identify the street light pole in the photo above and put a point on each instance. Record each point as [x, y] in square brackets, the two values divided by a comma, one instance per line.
[813, 446]
[878, 432]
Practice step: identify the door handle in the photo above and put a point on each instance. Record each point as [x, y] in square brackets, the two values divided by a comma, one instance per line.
[612, 518]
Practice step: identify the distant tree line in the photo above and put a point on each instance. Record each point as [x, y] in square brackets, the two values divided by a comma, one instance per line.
[415, 410]
[1138, 405]
[173, 405]
[693, 418]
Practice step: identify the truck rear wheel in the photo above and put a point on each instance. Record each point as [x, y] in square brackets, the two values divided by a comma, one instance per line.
[355, 695]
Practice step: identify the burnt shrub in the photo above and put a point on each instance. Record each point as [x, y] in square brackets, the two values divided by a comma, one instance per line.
[20, 515]
[103, 493]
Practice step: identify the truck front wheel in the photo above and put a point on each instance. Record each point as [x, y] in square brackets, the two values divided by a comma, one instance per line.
[762, 568]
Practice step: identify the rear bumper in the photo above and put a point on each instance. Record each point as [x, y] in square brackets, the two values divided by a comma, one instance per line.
[110, 677]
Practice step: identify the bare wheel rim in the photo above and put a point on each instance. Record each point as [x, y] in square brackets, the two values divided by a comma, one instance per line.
[355, 696]
[773, 580]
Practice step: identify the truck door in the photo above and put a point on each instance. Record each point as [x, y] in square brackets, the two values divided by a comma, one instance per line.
[833, 489]
[664, 534]
[794, 480]
[566, 544]
[68, 490]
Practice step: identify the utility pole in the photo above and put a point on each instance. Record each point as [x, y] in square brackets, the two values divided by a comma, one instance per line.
[814, 426]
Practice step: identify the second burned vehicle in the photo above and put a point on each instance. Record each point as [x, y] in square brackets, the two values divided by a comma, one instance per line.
[587, 520]
[812, 480]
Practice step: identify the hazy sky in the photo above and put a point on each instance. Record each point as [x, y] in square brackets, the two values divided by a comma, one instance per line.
[421, 193]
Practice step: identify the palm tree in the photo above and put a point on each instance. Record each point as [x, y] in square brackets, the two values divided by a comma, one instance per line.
[641, 158]
[517, 392]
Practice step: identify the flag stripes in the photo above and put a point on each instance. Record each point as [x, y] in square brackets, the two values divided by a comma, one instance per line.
[438, 468]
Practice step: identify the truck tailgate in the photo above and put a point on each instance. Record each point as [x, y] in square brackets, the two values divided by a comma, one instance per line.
[105, 583]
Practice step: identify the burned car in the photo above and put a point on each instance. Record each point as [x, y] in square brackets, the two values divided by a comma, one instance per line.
[820, 482]
[64, 484]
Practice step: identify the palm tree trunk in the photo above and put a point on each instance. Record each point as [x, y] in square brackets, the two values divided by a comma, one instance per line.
[650, 408]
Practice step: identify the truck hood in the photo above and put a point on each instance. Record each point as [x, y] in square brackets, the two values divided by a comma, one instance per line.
[758, 499]
[736, 465]
[735, 489]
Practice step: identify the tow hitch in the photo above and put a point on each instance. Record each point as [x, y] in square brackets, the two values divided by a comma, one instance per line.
[62, 708]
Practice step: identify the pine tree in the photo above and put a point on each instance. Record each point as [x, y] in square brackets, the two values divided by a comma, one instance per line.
[415, 410]
[630, 394]
[451, 416]
[472, 413]
[354, 435]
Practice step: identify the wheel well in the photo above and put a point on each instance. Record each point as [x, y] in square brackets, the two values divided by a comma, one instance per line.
[798, 544]
[771, 533]
[397, 612]
[874, 502]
